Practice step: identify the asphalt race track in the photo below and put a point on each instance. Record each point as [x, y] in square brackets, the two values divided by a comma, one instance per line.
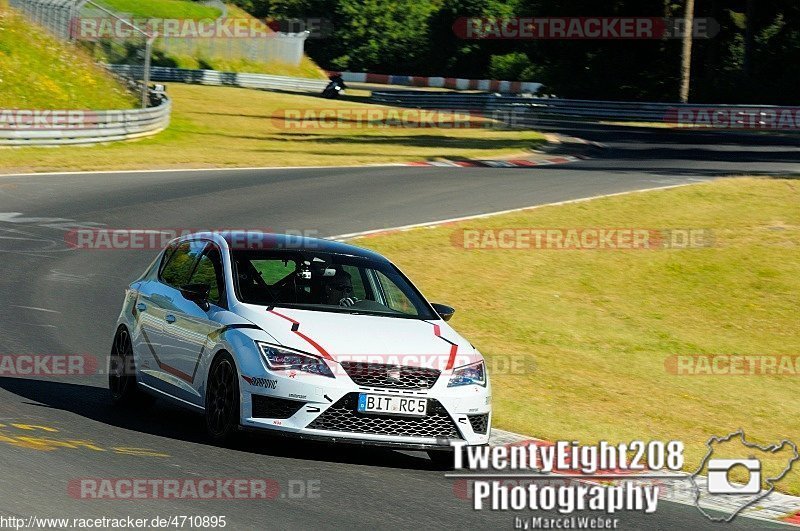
[65, 301]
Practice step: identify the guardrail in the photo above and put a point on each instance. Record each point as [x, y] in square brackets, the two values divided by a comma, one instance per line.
[213, 77]
[435, 100]
[487, 85]
[528, 108]
[71, 127]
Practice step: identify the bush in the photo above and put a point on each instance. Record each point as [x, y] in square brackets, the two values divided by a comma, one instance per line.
[515, 66]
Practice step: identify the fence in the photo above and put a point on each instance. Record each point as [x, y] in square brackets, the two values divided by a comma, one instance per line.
[229, 39]
[56, 16]
[213, 77]
[59, 128]
[527, 109]
[287, 48]
[62, 18]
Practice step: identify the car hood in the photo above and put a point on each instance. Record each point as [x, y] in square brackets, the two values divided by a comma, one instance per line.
[346, 337]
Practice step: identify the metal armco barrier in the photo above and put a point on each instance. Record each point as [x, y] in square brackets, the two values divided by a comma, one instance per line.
[436, 100]
[527, 108]
[233, 79]
[487, 85]
[62, 128]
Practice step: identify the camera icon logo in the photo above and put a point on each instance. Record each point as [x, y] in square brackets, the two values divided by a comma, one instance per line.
[719, 476]
[724, 476]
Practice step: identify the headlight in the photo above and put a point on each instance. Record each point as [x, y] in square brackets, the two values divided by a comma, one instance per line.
[469, 375]
[283, 359]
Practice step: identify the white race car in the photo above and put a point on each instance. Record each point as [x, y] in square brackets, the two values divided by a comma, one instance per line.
[308, 337]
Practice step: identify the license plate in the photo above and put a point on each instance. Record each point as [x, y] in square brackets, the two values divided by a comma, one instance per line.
[392, 405]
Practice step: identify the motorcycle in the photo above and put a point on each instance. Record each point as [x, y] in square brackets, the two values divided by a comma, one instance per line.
[335, 88]
[157, 94]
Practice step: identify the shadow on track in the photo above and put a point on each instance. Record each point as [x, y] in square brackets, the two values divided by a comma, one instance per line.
[164, 419]
[621, 133]
[627, 147]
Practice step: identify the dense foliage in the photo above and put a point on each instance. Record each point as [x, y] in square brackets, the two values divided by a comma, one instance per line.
[754, 58]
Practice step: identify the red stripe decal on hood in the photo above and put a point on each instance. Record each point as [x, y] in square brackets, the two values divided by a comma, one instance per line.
[295, 327]
[437, 331]
[452, 360]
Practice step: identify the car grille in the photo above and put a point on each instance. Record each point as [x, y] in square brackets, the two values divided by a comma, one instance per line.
[342, 416]
[267, 407]
[480, 423]
[402, 376]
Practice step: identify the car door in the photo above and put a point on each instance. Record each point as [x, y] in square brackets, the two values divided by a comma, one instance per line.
[159, 301]
[188, 326]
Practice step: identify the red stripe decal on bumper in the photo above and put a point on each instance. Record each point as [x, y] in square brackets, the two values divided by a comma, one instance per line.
[793, 519]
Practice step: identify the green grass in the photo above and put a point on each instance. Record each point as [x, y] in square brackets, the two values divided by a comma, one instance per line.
[234, 127]
[180, 9]
[307, 68]
[599, 325]
[40, 72]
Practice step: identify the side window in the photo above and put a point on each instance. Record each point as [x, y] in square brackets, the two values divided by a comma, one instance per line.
[178, 269]
[359, 291]
[209, 272]
[167, 255]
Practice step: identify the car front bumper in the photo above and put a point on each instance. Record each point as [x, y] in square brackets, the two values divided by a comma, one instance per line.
[320, 408]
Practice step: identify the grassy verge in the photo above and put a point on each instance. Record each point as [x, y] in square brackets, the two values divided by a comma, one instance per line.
[306, 68]
[233, 127]
[181, 9]
[601, 324]
[40, 72]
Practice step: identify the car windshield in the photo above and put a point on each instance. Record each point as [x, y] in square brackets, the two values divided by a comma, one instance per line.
[326, 282]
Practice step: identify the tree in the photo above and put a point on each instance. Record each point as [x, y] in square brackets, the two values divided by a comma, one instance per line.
[754, 57]
[382, 35]
[469, 58]
[686, 61]
[605, 69]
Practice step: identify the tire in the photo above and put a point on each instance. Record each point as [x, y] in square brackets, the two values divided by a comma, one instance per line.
[222, 400]
[442, 459]
[122, 374]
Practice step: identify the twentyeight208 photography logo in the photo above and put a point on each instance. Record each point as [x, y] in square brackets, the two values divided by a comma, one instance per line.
[733, 482]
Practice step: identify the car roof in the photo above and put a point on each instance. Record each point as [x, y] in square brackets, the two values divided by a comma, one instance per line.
[277, 241]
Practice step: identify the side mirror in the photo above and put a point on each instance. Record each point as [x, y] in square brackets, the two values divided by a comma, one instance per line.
[444, 311]
[197, 293]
